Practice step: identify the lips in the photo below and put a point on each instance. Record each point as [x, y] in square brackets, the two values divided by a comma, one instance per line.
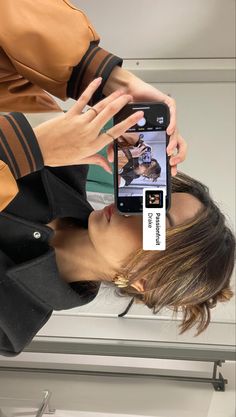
[109, 210]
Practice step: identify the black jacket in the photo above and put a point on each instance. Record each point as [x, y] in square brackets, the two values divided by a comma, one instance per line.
[128, 172]
[30, 285]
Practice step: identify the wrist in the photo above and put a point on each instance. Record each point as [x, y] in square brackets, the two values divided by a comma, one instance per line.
[119, 79]
[49, 138]
[41, 133]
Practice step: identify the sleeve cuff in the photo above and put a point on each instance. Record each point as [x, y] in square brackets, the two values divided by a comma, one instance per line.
[96, 63]
[19, 148]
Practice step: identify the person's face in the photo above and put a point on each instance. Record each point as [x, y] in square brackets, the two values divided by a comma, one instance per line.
[116, 238]
[142, 169]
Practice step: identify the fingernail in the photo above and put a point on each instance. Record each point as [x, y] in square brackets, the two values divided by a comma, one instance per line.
[140, 114]
[98, 80]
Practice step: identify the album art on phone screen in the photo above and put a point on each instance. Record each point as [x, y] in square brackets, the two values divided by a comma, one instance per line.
[154, 199]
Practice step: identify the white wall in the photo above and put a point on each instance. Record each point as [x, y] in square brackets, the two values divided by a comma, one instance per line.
[136, 29]
[138, 397]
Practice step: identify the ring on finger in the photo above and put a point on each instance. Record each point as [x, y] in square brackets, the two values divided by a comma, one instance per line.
[109, 134]
[95, 111]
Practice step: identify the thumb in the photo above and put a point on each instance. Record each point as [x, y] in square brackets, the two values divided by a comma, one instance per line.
[97, 159]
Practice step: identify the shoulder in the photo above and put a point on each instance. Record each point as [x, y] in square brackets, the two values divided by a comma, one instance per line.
[86, 289]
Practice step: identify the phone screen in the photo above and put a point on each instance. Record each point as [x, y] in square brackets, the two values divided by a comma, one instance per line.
[140, 159]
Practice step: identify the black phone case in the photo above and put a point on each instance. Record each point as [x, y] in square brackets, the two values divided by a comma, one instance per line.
[118, 119]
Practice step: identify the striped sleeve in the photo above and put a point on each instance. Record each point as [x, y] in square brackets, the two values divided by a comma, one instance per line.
[19, 148]
[95, 63]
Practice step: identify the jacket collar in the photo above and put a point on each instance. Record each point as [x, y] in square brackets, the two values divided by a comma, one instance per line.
[42, 282]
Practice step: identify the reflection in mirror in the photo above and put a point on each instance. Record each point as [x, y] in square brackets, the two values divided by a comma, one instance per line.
[70, 254]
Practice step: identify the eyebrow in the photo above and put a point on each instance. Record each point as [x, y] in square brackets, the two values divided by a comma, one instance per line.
[172, 223]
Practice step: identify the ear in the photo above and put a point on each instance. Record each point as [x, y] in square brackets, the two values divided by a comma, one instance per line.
[139, 285]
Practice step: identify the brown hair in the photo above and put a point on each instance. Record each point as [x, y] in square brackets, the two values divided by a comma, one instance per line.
[153, 171]
[194, 271]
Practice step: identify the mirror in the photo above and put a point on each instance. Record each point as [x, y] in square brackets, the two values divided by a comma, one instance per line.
[191, 64]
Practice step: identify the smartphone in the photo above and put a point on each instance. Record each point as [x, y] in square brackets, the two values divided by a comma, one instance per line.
[140, 158]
